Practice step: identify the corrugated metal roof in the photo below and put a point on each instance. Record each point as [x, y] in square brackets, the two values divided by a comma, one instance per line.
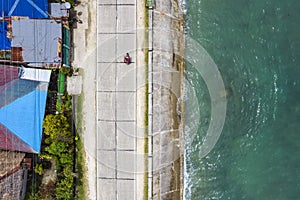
[40, 40]
[29, 8]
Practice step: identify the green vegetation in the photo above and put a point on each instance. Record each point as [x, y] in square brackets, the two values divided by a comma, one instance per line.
[59, 148]
[35, 196]
[67, 70]
[61, 82]
[72, 2]
[81, 186]
[39, 169]
[81, 182]
[58, 132]
[61, 89]
[36, 189]
[146, 55]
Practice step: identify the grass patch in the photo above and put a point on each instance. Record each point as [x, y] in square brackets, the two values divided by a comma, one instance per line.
[78, 113]
[58, 103]
[146, 150]
[81, 182]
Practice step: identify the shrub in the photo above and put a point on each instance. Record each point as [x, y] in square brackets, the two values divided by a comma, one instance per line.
[57, 148]
[66, 70]
[58, 128]
[34, 196]
[66, 159]
[64, 188]
[39, 169]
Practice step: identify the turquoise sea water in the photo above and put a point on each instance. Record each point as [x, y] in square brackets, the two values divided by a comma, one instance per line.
[256, 46]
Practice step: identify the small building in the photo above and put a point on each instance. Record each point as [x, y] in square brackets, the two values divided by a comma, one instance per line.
[60, 10]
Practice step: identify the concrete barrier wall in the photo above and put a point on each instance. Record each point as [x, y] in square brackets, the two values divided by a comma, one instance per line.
[164, 75]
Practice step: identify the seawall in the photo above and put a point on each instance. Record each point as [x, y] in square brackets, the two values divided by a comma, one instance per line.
[166, 80]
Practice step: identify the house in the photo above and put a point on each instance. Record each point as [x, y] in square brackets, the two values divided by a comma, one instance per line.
[23, 93]
[30, 35]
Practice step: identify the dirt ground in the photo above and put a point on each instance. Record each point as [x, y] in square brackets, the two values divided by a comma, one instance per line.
[84, 53]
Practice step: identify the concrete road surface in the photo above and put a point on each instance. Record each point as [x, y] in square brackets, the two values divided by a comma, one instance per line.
[116, 100]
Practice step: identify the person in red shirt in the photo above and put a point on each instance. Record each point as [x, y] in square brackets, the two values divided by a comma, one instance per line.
[127, 59]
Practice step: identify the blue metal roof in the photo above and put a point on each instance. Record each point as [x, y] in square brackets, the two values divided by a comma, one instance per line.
[5, 43]
[24, 117]
[22, 107]
[29, 8]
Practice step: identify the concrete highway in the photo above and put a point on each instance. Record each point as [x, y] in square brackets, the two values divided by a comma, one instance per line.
[116, 100]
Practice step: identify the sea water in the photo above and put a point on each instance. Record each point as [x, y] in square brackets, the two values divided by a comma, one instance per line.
[256, 47]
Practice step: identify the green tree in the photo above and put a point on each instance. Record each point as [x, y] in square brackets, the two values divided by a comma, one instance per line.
[55, 123]
[58, 128]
